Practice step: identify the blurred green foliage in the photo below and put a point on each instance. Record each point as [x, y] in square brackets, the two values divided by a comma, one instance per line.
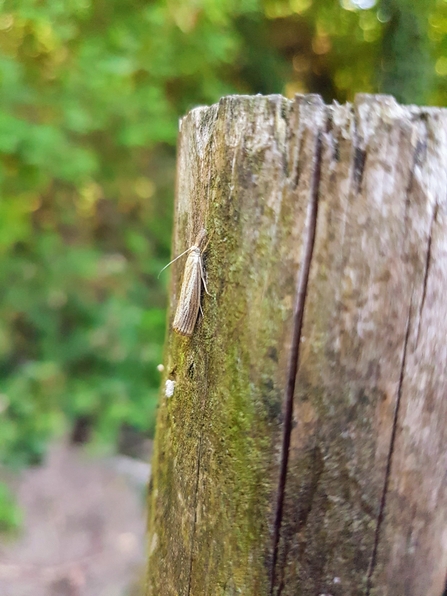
[407, 71]
[10, 513]
[91, 92]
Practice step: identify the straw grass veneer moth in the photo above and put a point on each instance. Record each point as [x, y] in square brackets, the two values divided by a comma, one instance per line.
[193, 277]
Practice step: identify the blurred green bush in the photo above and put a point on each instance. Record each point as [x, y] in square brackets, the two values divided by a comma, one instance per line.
[10, 513]
[91, 92]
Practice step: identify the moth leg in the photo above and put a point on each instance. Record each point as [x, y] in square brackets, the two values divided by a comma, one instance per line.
[207, 242]
[202, 276]
[199, 288]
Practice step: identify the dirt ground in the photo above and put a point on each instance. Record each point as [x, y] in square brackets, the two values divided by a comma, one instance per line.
[84, 527]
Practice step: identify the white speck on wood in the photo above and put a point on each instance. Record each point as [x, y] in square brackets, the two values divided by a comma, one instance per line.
[169, 388]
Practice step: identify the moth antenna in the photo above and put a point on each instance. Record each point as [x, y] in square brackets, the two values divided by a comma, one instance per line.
[173, 260]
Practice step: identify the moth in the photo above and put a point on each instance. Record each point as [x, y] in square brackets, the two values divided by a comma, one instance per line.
[190, 294]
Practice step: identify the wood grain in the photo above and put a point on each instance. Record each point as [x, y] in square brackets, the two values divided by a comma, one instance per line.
[303, 450]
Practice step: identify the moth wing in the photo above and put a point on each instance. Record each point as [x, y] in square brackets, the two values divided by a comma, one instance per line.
[189, 301]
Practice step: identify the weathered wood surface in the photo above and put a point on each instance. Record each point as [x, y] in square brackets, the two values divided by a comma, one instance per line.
[303, 451]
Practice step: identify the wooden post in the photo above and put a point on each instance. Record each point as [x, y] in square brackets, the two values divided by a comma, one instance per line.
[303, 450]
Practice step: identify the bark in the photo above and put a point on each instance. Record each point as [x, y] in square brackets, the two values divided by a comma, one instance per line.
[302, 451]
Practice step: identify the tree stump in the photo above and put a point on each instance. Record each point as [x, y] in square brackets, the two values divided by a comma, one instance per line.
[302, 430]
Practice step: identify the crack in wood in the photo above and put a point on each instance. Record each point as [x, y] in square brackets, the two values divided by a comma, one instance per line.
[194, 523]
[359, 167]
[298, 314]
[389, 462]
